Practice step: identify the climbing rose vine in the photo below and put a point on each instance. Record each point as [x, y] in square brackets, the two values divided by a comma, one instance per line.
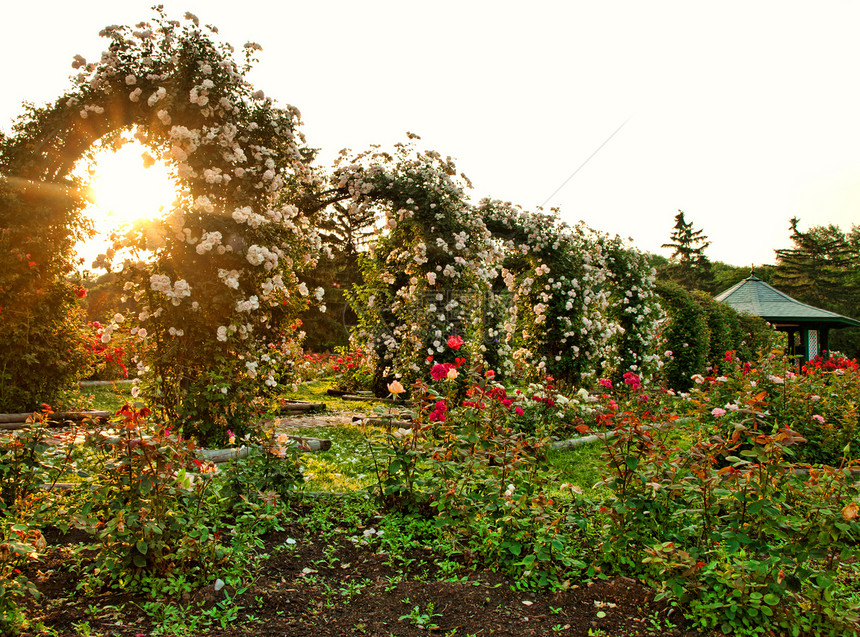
[527, 294]
[211, 287]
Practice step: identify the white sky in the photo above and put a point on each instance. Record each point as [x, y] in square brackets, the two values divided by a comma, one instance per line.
[742, 114]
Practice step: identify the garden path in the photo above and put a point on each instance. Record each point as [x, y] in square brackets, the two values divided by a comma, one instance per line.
[307, 421]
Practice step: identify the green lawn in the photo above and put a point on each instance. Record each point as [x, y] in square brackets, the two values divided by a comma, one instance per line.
[348, 466]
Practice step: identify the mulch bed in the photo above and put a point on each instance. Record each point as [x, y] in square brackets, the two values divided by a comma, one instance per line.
[360, 591]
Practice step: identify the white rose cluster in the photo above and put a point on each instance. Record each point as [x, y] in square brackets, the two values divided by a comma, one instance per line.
[227, 251]
[567, 307]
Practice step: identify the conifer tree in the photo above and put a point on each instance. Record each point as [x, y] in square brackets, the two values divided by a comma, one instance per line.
[688, 266]
[823, 269]
[816, 270]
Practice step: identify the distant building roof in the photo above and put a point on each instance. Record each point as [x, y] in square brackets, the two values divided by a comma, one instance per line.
[754, 296]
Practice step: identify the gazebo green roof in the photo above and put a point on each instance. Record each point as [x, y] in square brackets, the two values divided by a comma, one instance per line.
[754, 296]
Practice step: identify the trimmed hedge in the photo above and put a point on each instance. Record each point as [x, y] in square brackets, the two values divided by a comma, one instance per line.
[699, 331]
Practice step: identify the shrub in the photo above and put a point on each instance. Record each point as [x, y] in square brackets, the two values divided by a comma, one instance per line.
[727, 522]
[463, 459]
[821, 404]
[685, 334]
[144, 506]
[699, 331]
[44, 347]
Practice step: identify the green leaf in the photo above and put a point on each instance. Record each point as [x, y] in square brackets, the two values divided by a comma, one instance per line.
[516, 548]
[139, 560]
[771, 599]
[142, 546]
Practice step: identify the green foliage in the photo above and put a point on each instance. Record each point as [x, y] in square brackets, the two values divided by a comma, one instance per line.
[820, 266]
[730, 525]
[821, 404]
[41, 322]
[20, 543]
[345, 232]
[756, 336]
[25, 463]
[821, 269]
[685, 334]
[699, 331]
[21, 461]
[144, 505]
[713, 509]
[481, 476]
[273, 471]
[723, 327]
[422, 619]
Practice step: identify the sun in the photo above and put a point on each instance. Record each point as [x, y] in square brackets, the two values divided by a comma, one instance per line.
[127, 185]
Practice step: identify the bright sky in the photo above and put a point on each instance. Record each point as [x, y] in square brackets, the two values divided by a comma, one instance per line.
[742, 114]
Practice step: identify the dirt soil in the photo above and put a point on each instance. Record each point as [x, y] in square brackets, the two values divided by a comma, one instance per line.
[303, 590]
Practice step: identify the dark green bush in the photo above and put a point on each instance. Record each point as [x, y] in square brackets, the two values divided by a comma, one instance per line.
[699, 331]
[44, 350]
[685, 334]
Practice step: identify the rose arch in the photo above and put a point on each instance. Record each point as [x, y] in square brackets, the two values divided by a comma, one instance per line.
[211, 288]
[530, 295]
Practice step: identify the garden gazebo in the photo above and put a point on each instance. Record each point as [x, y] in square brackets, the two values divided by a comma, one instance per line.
[812, 324]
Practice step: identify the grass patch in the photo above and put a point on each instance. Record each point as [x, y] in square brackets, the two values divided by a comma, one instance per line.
[347, 466]
[315, 391]
[105, 397]
[582, 466]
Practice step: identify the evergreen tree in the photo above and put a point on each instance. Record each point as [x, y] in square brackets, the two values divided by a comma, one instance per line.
[815, 269]
[823, 269]
[688, 265]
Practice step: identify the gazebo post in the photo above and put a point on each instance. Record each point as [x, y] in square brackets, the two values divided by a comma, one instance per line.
[805, 344]
[825, 340]
[791, 350]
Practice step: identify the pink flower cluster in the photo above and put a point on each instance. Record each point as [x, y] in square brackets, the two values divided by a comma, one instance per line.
[633, 380]
[439, 371]
[438, 413]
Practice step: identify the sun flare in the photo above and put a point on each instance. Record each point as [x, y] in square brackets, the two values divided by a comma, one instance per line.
[127, 186]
